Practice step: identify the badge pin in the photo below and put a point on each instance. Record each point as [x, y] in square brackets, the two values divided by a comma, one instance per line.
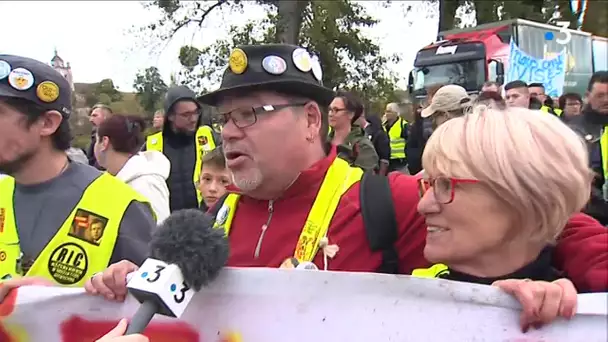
[316, 69]
[5, 69]
[274, 65]
[238, 61]
[47, 91]
[588, 137]
[301, 59]
[21, 79]
[222, 215]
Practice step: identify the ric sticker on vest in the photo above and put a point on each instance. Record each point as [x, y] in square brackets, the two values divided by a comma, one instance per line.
[68, 264]
[88, 226]
[202, 141]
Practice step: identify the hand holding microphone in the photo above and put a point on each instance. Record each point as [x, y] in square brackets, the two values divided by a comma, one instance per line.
[187, 254]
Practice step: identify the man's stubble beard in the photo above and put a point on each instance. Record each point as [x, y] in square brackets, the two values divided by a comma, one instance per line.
[12, 167]
[248, 180]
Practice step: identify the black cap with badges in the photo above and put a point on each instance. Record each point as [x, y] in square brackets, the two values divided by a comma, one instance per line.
[29, 79]
[285, 68]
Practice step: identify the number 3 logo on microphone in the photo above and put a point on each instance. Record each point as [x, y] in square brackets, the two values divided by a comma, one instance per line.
[179, 298]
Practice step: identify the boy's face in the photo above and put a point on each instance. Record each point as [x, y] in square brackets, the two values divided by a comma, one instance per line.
[213, 183]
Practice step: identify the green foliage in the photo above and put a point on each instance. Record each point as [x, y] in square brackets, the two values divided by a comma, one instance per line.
[150, 89]
[330, 29]
[546, 11]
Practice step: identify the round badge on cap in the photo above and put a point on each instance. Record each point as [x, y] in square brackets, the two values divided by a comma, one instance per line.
[301, 59]
[47, 91]
[21, 79]
[316, 68]
[238, 61]
[5, 69]
[274, 65]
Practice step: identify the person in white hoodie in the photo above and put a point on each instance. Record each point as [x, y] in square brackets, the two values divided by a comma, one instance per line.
[117, 149]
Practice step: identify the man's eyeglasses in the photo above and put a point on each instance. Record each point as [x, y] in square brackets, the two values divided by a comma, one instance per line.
[443, 187]
[245, 117]
[189, 115]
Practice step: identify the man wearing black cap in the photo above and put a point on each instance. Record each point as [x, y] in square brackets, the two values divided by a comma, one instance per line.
[48, 204]
[294, 202]
[184, 140]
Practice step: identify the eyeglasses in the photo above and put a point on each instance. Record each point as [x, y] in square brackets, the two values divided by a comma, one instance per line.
[443, 187]
[245, 117]
[189, 115]
[336, 110]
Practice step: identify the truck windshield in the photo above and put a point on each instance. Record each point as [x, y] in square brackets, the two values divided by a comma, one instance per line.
[468, 74]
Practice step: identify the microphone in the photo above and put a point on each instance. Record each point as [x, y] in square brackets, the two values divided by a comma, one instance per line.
[186, 253]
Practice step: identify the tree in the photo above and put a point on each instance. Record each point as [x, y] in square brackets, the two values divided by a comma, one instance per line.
[150, 89]
[330, 29]
[106, 87]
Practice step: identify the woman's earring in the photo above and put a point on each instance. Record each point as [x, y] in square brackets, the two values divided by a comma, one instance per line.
[310, 139]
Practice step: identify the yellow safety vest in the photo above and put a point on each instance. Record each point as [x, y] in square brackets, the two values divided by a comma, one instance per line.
[432, 272]
[397, 142]
[204, 144]
[82, 246]
[546, 109]
[604, 152]
[339, 178]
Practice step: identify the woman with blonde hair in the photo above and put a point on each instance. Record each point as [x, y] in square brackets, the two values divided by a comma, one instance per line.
[498, 187]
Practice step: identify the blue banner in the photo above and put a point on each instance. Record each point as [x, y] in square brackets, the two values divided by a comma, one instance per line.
[550, 72]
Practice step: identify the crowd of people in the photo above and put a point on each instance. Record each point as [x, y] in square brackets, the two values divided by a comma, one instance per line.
[505, 191]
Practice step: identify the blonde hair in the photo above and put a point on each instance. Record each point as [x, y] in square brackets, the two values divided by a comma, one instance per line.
[529, 159]
[394, 107]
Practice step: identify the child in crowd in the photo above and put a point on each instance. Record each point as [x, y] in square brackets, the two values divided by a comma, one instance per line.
[214, 178]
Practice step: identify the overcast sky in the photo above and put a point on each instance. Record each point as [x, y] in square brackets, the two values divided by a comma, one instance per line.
[94, 35]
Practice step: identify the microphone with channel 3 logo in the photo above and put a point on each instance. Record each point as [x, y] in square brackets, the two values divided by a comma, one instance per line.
[187, 253]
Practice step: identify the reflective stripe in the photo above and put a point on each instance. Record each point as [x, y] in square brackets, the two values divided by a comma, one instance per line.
[204, 144]
[604, 152]
[339, 179]
[397, 142]
[432, 272]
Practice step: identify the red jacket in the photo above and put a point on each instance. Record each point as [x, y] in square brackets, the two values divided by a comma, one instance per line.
[582, 251]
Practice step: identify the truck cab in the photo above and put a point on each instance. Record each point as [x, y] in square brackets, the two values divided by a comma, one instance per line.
[468, 59]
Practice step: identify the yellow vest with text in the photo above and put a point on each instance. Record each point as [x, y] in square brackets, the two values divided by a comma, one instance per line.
[432, 272]
[204, 144]
[546, 109]
[397, 142]
[338, 180]
[73, 255]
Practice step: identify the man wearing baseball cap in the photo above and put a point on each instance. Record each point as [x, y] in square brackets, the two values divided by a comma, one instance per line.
[295, 203]
[448, 102]
[48, 203]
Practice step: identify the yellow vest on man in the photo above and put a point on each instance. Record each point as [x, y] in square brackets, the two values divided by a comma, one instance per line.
[84, 243]
[546, 109]
[339, 178]
[397, 142]
[204, 144]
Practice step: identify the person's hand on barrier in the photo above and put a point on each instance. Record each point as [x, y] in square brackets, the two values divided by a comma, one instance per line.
[117, 334]
[7, 285]
[111, 283]
[542, 302]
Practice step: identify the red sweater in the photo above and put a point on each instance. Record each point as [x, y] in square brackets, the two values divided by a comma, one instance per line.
[582, 251]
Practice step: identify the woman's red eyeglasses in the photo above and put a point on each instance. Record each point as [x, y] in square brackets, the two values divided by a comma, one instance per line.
[443, 187]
